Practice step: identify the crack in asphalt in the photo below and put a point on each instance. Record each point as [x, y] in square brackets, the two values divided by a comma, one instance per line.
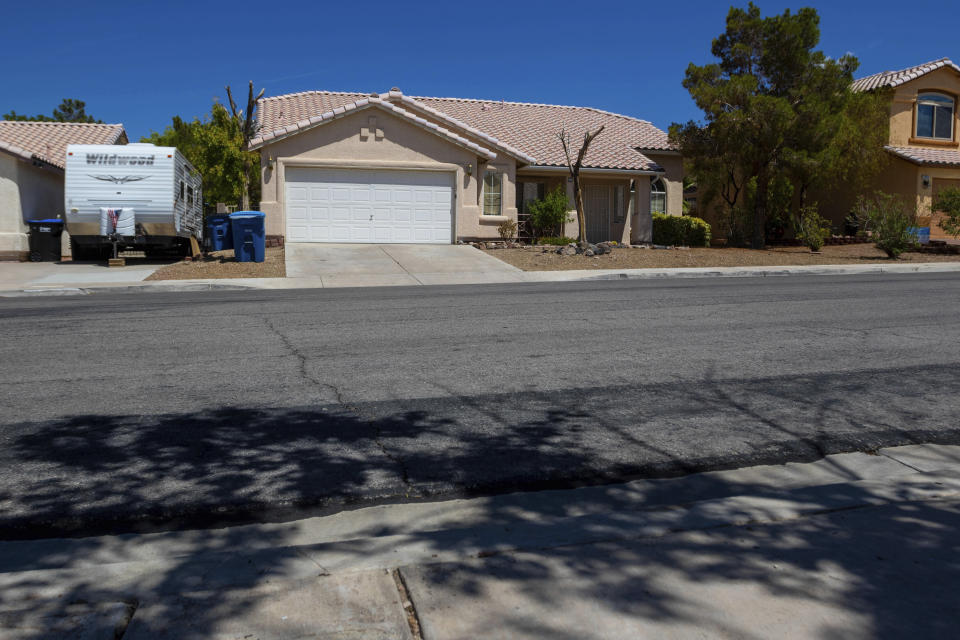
[302, 361]
[341, 400]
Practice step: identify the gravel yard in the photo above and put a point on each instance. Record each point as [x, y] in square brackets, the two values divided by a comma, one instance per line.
[534, 259]
[221, 264]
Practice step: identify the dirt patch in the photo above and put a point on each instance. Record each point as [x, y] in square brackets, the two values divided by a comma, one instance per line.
[221, 264]
[534, 259]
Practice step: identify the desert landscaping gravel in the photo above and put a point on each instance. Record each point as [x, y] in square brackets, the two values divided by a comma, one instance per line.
[221, 264]
[534, 258]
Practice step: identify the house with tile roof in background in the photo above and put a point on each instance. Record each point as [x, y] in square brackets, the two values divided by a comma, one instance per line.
[32, 159]
[358, 167]
[923, 146]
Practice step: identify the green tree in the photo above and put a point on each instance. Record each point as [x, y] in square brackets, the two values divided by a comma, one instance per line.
[215, 146]
[948, 202]
[70, 110]
[246, 124]
[775, 108]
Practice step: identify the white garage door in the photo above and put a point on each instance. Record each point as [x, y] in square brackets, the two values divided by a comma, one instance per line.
[343, 205]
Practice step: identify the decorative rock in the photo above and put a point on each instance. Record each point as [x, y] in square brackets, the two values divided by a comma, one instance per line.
[589, 253]
[567, 251]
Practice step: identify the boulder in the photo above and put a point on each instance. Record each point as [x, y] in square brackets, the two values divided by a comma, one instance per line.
[589, 253]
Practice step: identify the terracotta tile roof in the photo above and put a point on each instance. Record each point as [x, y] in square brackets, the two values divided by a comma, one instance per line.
[896, 78]
[47, 141]
[524, 130]
[922, 156]
[282, 131]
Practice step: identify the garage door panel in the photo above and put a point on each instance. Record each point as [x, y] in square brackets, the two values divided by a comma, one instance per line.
[319, 215]
[327, 205]
[319, 194]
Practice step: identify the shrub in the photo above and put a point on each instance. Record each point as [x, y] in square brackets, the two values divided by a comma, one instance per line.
[556, 240]
[680, 230]
[812, 228]
[550, 213]
[507, 230]
[888, 222]
[737, 226]
[948, 201]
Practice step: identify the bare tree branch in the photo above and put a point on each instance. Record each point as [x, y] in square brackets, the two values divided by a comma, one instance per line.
[574, 168]
[246, 124]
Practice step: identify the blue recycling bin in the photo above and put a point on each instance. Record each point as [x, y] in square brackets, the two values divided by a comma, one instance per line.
[219, 237]
[921, 234]
[249, 236]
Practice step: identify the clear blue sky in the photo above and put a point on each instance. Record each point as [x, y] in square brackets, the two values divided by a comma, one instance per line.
[140, 63]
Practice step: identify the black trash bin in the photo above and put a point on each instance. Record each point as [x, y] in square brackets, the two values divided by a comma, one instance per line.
[45, 239]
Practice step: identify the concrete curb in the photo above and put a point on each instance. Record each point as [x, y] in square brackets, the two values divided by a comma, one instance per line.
[579, 275]
[161, 287]
[763, 272]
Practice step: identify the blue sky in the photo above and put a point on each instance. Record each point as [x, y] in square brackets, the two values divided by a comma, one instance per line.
[140, 63]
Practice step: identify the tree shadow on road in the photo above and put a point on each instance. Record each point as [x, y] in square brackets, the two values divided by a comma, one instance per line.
[130, 473]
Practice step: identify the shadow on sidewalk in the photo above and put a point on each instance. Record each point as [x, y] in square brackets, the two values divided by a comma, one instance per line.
[129, 473]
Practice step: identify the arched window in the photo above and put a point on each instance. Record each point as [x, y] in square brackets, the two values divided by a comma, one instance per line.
[658, 196]
[935, 116]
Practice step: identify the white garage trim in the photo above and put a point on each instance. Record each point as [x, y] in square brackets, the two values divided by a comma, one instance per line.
[366, 204]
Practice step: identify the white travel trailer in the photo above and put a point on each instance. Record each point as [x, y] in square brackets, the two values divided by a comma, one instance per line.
[135, 196]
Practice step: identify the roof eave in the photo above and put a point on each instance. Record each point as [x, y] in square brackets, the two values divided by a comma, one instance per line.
[610, 170]
[436, 113]
[26, 156]
[361, 105]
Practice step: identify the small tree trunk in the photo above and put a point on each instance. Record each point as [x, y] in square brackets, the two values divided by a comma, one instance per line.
[245, 186]
[574, 168]
[759, 239]
[578, 203]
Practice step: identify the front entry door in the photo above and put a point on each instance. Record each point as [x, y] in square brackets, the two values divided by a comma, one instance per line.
[596, 204]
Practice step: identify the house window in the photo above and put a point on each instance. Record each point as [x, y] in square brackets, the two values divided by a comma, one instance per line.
[619, 210]
[658, 196]
[492, 191]
[935, 116]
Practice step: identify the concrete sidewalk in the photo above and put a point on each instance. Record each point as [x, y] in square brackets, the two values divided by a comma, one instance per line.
[133, 282]
[854, 545]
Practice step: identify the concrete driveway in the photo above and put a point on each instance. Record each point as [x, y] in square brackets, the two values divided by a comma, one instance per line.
[352, 265]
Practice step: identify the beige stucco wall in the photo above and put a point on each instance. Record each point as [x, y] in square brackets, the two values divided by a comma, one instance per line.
[673, 178]
[901, 177]
[26, 192]
[903, 113]
[403, 146]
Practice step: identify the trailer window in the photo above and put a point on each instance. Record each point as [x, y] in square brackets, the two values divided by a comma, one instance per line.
[180, 197]
[189, 196]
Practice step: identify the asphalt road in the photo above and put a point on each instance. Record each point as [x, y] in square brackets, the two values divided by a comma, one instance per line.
[126, 411]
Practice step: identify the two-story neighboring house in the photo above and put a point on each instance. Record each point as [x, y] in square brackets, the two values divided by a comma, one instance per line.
[923, 144]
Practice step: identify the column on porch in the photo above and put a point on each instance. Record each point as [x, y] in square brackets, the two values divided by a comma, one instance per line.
[641, 222]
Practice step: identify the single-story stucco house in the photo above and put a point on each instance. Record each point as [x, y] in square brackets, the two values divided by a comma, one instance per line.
[32, 158]
[356, 167]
